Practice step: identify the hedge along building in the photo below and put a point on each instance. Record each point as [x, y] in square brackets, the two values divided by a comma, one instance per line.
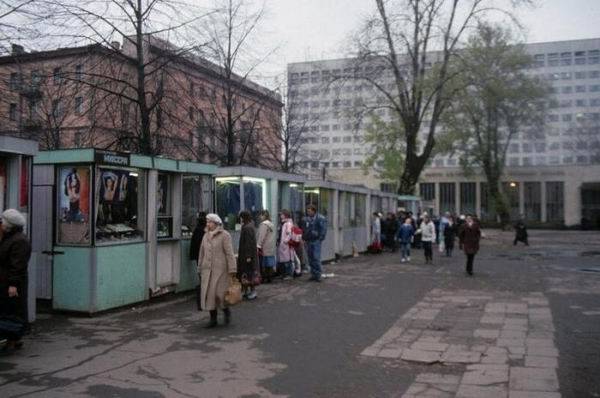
[114, 228]
[85, 97]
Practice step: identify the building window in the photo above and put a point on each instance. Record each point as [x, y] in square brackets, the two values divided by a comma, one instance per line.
[566, 90]
[78, 105]
[447, 197]
[36, 78]
[57, 76]
[468, 192]
[581, 102]
[79, 72]
[347, 139]
[580, 89]
[595, 88]
[526, 161]
[580, 75]
[553, 59]
[15, 81]
[513, 161]
[347, 164]
[533, 201]
[593, 57]
[57, 110]
[555, 201]
[324, 140]
[337, 139]
[357, 163]
[427, 190]
[566, 75]
[567, 117]
[12, 112]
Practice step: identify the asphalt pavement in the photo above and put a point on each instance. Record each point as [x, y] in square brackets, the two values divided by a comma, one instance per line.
[527, 324]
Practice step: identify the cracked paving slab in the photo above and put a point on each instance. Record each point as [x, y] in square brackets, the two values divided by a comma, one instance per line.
[500, 344]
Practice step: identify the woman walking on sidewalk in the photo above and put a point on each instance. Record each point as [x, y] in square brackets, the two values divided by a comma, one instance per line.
[469, 236]
[216, 266]
[248, 272]
[427, 230]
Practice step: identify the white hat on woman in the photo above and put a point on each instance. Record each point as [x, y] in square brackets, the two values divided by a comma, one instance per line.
[12, 218]
[212, 217]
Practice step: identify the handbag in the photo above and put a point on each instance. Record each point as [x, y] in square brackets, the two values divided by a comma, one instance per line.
[233, 295]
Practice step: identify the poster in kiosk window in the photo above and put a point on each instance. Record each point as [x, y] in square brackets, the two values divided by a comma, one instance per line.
[116, 217]
[74, 203]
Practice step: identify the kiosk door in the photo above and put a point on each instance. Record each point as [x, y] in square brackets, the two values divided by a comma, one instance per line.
[42, 215]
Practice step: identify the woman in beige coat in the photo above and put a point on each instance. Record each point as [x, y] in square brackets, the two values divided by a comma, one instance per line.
[216, 266]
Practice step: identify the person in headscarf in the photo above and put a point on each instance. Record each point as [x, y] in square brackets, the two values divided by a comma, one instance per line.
[216, 267]
[15, 252]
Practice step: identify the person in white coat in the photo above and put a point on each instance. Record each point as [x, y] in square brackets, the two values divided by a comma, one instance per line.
[427, 230]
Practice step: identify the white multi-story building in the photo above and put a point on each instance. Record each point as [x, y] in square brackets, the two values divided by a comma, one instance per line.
[545, 170]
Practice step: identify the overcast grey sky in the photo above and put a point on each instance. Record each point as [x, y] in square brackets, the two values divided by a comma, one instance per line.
[316, 29]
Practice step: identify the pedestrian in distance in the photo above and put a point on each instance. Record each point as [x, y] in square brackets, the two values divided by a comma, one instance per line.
[247, 261]
[266, 244]
[285, 252]
[314, 233]
[217, 268]
[427, 230]
[405, 236]
[376, 229]
[391, 229]
[469, 236]
[521, 232]
[15, 252]
[450, 232]
[195, 243]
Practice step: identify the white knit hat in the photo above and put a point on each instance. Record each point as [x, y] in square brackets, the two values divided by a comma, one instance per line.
[214, 218]
[12, 218]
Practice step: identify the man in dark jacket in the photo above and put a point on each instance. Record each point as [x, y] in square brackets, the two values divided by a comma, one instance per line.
[314, 232]
[15, 252]
[521, 233]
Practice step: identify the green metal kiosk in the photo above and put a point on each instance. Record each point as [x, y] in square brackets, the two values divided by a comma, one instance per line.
[119, 226]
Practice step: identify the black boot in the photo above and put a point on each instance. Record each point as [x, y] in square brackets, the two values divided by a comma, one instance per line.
[227, 313]
[213, 320]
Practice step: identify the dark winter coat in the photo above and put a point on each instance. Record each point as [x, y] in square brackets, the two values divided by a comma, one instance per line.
[196, 241]
[521, 231]
[449, 235]
[469, 237]
[15, 252]
[247, 254]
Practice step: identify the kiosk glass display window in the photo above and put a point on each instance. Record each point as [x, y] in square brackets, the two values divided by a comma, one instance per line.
[326, 205]
[228, 200]
[119, 195]
[360, 204]
[346, 213]
[74, 204]
[164, 222]
[290, 197]
[255, 196]
[196, 197]
[3, 183]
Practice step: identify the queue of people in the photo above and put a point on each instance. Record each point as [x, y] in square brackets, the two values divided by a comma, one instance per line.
[262, 256]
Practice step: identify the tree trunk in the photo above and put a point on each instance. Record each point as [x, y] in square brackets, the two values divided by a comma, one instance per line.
[498, 200]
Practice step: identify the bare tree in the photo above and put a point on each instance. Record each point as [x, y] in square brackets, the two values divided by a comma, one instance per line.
[16, 22]
[238, 119]
[404, 52]
[144, 27]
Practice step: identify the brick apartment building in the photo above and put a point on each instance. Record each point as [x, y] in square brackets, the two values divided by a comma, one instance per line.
[86, 97]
